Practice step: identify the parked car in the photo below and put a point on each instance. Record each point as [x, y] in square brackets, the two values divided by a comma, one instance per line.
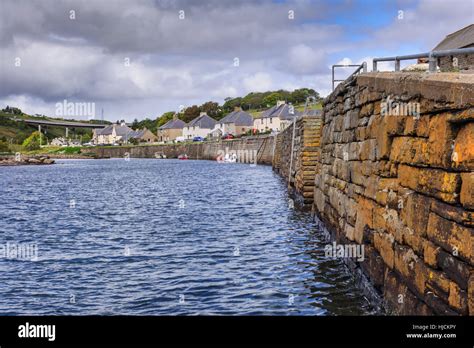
[180, 139]
[198, 139]
[228, 136]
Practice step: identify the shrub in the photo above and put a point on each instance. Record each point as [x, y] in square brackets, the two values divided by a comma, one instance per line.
[4, 146]
[32, 142]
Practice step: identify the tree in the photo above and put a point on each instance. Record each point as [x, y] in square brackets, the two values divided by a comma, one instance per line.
[190, 113]
[135, 124]
[167, 116]
[212, 109]
[299, 95]
[86, 138]
[33, 142]
[272, 99]
[231, 103]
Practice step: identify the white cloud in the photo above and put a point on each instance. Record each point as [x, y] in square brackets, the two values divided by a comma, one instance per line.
[303, 59]
[189, 61]
[260, 82]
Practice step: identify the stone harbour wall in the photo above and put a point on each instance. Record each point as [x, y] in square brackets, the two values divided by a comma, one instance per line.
[402, 184]
[247, 149]
[306, 152]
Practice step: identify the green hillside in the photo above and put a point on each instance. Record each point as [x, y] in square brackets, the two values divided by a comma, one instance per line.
[15, 132]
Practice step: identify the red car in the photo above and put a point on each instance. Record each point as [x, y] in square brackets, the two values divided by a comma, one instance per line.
[228, 136]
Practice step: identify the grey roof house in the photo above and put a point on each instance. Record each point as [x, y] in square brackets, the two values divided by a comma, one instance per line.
[239, 118]
[174, 124]
[282, 110]
[171, 130]
[236, 123]
[276, 118]
[202, 121]
[201, 126]
[120, 133]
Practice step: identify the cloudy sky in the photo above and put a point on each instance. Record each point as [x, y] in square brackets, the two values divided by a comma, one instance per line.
[138, 59]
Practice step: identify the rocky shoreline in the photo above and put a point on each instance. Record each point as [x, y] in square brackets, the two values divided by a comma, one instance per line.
[23, 160]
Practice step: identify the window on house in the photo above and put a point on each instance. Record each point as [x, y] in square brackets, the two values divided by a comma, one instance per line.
[262, 120]
[270, 120]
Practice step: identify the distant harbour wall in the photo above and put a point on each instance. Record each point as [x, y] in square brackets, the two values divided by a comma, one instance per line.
[257, 149]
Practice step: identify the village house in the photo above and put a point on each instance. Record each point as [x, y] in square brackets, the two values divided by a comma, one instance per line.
[141, 135]
[171, 130]
[59, 142]
[121, 134]
[462, 38]
[238, 122]
[201, 126]
[112, 134]
[216, 134]
[275, 119]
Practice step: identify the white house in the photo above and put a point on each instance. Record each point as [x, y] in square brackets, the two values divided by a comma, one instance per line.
[277, 118]
[236, 123]
[112, 134]
[201, 126]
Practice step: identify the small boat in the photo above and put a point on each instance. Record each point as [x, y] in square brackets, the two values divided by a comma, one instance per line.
[183, 157]
[227, 158]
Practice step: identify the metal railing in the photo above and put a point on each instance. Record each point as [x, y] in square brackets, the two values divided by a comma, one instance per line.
[432, 57]
[360, 67]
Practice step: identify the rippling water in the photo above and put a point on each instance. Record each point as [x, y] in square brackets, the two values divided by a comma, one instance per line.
[154, 237]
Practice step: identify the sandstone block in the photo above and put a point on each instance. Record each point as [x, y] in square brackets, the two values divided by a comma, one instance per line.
[417, 126]
[440, 140]
[384, 244]
[400, 299]
[430, 253]
[457, 214]
[458, 298]
[433, 182]
[415, 209]
[438, 283]
[467, 190]
[395, 125]
[454, 268]
[374, 266]
[463, 153]
[409, 150]
[454, 238]
[364, 218]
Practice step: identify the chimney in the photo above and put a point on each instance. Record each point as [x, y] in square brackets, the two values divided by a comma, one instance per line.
[280, 102]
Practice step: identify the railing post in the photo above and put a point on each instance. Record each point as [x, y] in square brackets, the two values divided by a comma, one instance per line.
[291, 153]
[397, 64]
[432, 63]
[374, 68]
[333, 77]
